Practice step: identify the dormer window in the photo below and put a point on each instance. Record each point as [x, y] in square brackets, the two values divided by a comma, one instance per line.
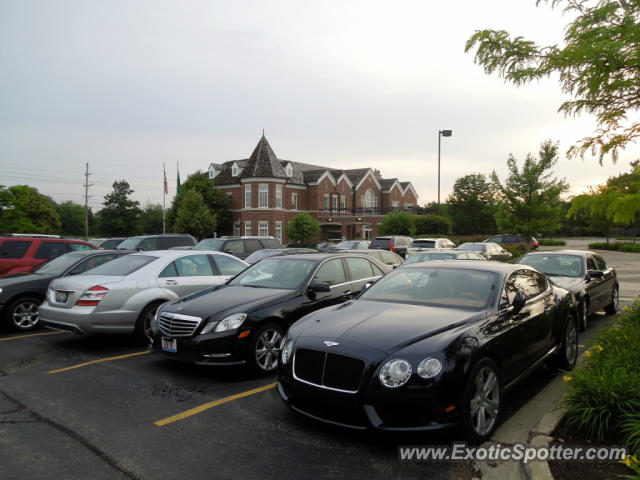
[234, 170]
[289, 170]
[213, 171]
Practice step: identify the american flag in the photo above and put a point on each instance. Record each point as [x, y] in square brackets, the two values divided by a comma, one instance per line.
[166, 185]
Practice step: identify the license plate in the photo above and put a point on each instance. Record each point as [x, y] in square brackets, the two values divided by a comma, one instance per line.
[170, 345]
[61, 297]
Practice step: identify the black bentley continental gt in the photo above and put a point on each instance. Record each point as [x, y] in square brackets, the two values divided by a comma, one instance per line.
[429, 346]
[244, 321]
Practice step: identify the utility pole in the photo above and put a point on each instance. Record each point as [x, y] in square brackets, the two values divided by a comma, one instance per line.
[86, 202]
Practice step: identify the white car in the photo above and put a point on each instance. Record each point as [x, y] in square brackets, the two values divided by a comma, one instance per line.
[123, 295]
[425, 244]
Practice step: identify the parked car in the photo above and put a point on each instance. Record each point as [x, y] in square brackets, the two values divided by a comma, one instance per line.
[490, 251]
[107, 243]
[21, 254]
[592, 281]
[270, 252]
[387, 260]
[123, 295]
[22, 293]
[326, 246]
[426, 244]
[442, 254]
[244, 321]
[157, 242]
[511, 240]
[352, 245]
[396, 244]
[428, 347]
[241, 247]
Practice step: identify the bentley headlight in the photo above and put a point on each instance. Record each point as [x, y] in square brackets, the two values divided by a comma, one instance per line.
[395, 373]
[231, 322]
[429, 367]
[286, 352]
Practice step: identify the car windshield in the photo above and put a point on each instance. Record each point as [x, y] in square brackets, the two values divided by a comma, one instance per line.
[210, 244]
[439, 287]
[474, 247]
[347, 245]
[424, 243]
[130, 243]
[423, 257]
[561, 265]
[122, 266]
[59, 265]
[275, 272]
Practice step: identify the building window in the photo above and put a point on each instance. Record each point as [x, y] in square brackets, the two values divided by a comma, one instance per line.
[263, 196]
[334, 203]
[395, 205]
[234, 170]
[343, 203]
[408, 207]
[212, 173]
[326, 201]
[289, 171]
[278, 196]
[247, 228]
[247, 196]
[229, 200]
[369, 202]
[236, 229]
[263, 229]
[278, 231]
[294, 201]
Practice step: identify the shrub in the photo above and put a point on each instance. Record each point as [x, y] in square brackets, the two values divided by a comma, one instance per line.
[516, 250]
[617, 246]
[302, 230]
[396, 223]
[604, 397]
[551, 243]
[431, 225]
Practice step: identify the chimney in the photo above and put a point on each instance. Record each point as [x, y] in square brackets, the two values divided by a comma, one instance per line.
[376, 172]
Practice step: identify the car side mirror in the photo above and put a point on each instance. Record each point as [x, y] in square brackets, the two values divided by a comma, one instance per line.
[596, 273]
[518, 301]
[367, 285]
[228, 250]
[319, 287]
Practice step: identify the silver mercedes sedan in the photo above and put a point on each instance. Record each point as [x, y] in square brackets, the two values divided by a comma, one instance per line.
[123, 295]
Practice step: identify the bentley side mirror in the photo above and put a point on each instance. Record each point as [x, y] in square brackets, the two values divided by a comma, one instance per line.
[518, 301]
[319, 287]
[596, 273]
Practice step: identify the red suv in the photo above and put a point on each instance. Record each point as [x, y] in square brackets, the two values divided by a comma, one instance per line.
[21, 254]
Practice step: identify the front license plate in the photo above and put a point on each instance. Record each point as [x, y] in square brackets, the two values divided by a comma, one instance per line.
[170, 345]
[61, 297]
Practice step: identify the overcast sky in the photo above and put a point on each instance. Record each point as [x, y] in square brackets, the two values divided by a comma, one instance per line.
[127, 85]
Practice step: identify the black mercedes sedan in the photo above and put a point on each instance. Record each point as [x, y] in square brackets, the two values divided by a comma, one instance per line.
[22, 293]
[244, 321]
[592, 281]
[429, 346]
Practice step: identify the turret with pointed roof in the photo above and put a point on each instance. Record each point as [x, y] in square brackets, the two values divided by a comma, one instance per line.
[263, 162]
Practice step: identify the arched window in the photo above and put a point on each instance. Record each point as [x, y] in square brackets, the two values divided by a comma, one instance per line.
[369, 201]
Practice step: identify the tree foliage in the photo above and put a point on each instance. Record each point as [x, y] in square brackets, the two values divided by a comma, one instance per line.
[71, 218]
[396, 223]
[302, 230]
[471, 205]
[151, 219]
[529, 201]
[24, 210]
[430, 225]
[597, 67]
[214, 199]
[119, 217]
[194, 216]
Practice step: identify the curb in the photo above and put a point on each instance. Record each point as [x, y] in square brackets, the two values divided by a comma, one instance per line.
[540, 437]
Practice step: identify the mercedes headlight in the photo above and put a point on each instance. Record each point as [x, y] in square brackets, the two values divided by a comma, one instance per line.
[429, 367]
[285, 355]
[231, 322]
[395, 373]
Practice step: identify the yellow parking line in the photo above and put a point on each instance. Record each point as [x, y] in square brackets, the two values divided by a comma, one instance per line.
[32, 335]
[206, 406]
[92, 362]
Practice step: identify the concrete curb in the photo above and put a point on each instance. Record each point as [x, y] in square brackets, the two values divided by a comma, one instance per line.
[541, 437]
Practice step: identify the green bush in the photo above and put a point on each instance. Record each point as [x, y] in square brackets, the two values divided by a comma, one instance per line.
[396, 223]
[551, 243]
[431, 225]
[603, 401]
[617, 247]
[302, 230]
[516, 250]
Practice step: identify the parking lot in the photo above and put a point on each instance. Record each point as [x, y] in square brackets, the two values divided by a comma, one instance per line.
[103, 407]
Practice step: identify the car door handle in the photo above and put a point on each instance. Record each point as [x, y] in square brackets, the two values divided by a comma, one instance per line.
[547, 309]
[170, 282]
[347, 293]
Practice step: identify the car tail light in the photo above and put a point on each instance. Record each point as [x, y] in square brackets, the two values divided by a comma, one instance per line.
[92, 297]
[391, 247]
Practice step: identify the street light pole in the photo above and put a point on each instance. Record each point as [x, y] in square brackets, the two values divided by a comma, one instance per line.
[441, 133]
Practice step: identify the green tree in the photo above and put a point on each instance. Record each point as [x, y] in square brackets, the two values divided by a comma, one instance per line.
[396, 223]
[302, 230]
[194, 216]
[597, 67]
[430, 225]
[529, 201]
[24, 210]
[471, 205]
[151, 219]
[72, 218]
[213, 198]
[119, 217]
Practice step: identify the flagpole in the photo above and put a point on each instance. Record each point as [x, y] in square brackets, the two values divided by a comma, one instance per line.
[164, 190]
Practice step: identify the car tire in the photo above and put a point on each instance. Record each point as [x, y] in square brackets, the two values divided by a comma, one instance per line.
[263, 350]
[482, 406]
[583, 311]
[22, 314]
[143, 324]
[612, 308]
[568, 354]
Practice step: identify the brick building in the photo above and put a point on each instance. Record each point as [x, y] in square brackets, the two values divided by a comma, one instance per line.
[265, 193]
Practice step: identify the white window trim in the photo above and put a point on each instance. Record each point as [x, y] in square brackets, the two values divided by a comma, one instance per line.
[263, 188]
[247, 228]
[237, 229]
[278, 231]
[263, 229]
[326, 205]
[278, 196]
[294, 204]
[247, 193]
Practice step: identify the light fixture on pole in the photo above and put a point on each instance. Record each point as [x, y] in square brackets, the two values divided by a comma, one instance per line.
[441, 133]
